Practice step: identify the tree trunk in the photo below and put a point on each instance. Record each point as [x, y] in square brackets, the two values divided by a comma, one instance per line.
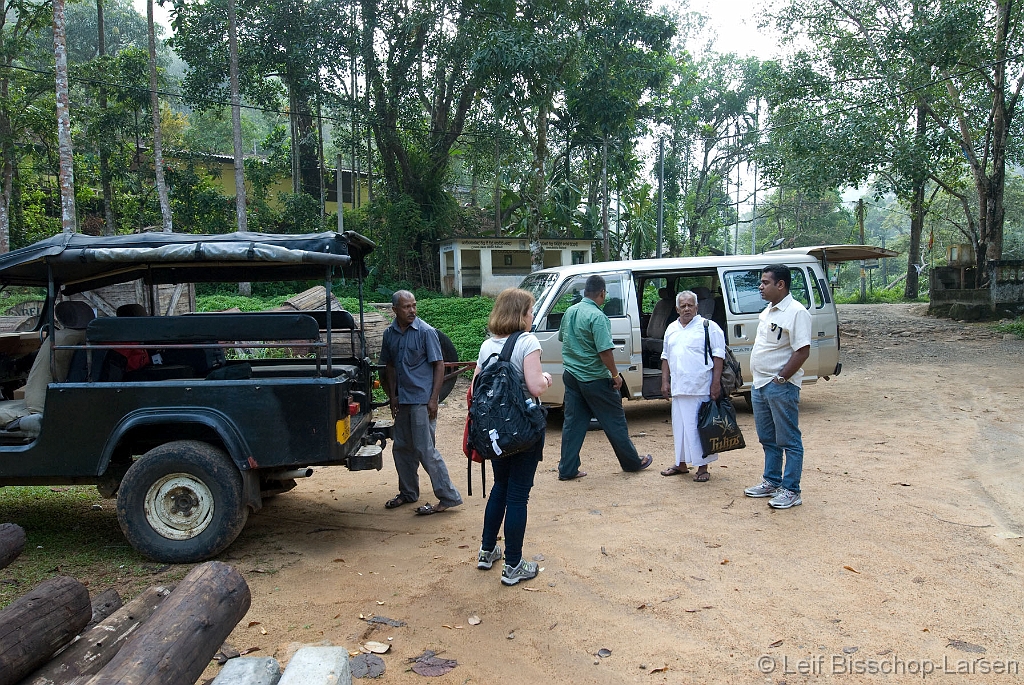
[912, 286]
[236, 118]
[106, 185]
[68, 216]
[96, 647]
[538, 185]
[103, 605]
[12, 541]
[154, 103]
[39, 623]
[183, 634]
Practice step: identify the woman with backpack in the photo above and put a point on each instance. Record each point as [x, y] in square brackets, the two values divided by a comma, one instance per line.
[513, 475]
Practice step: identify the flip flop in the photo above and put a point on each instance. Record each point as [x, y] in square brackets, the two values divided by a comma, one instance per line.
[645, 462]
[579, 474]
[674, 470]
[702, 477]
[428, 509]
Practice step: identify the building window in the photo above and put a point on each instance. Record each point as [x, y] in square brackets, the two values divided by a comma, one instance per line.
[579, 257]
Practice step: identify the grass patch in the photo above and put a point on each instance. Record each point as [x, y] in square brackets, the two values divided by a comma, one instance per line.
[65, 536]
[463, 319]
[1016, 327]
[877, 296]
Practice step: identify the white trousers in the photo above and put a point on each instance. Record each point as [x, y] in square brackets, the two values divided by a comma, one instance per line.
[684, 430]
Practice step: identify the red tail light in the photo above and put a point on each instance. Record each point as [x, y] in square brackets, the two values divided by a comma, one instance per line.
[353, 407]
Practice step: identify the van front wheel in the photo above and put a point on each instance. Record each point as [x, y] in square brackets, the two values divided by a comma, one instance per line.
[182, 502]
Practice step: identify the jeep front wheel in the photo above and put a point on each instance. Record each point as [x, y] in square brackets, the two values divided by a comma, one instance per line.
[182, 502]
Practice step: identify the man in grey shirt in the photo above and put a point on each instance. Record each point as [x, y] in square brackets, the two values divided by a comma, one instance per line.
[413, 373]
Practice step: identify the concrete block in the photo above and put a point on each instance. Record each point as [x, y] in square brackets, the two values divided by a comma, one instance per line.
[249, 670]
[318, 666]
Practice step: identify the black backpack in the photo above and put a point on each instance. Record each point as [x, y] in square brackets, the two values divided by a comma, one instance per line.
[732, 373]
[502, 421]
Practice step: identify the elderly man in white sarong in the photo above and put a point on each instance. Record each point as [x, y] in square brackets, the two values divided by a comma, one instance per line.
[690, 374]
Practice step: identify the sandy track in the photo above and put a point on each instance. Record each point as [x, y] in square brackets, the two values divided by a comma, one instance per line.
[912, 472]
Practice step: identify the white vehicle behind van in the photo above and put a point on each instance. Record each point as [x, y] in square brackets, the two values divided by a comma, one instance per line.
[640, 303]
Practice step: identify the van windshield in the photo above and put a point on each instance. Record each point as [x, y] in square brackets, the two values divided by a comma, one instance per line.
[538, 284]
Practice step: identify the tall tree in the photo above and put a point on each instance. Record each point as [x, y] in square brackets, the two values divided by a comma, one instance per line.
[109, 224]
[69, 219]
[19, 21]
[236, 118]
[154, 103]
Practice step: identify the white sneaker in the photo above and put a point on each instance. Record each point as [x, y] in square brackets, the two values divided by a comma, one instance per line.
[763, 489]
[784, 499]
[522, 571]
[485, 559]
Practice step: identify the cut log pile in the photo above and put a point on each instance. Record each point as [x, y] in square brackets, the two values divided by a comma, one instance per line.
[165, 636]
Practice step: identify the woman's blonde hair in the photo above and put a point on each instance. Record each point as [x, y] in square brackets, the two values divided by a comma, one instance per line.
[509, 313]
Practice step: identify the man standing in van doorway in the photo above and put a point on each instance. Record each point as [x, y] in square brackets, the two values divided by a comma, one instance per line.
[592, 384]
[781, 346]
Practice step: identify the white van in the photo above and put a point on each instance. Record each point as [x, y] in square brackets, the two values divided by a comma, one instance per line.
[640, 303]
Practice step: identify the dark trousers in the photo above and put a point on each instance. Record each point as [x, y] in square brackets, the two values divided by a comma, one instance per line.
[586, 400]
[513, 480]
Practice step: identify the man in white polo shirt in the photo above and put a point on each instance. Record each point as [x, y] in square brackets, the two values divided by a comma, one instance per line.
[781, 346]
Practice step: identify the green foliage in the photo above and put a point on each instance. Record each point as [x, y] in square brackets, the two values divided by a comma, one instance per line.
[1016, 327]
[876, 296]
[464, 320]
[218, 303]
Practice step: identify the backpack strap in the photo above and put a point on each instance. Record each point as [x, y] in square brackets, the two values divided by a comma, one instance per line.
[707, 342]
[509, 347]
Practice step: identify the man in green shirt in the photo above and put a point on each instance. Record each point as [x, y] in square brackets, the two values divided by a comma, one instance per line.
[592, 384]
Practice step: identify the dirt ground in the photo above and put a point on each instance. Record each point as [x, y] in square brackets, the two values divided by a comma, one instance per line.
[905, 556]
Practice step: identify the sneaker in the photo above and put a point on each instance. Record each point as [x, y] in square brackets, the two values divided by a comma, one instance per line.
[484, 559]
[764, 489]
[523, 571]
[784, 499]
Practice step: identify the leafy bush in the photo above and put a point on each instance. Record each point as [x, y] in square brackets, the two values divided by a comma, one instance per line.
[218, 303]
[1016, 327]
[464, 320]
[877, 296]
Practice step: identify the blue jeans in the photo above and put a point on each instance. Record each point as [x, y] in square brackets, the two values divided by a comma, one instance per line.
[776, 417]
[599, 399]
[513, 480]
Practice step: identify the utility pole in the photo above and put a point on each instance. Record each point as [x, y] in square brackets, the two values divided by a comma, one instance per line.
[604, 199]
[661, 194]
[753, 211]
[860, 222]
[736, 231]
[341, 203]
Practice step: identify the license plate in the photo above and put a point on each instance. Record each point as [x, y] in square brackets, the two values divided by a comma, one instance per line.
[344, 429]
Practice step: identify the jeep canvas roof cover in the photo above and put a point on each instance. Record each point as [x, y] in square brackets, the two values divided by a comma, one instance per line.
[82, 262]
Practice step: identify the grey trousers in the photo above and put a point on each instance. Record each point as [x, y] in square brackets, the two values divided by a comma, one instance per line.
[413, 444]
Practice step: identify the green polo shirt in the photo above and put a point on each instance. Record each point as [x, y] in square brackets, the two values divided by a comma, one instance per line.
[585, 332]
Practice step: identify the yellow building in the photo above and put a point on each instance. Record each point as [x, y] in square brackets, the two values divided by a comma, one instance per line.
[222, 168]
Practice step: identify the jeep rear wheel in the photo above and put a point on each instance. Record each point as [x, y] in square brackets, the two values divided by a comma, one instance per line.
[182, 502]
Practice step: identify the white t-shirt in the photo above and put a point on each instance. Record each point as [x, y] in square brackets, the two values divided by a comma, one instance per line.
[782, 329]
[526, 344]
[684, 351]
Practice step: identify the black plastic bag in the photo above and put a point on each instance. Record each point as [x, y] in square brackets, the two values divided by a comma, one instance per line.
[716, 423]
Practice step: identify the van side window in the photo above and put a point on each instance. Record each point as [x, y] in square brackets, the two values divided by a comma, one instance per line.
[799, 288]
[819, 298]
[744, 295]
[572, 292]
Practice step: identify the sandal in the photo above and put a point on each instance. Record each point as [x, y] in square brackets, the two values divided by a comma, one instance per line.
[428, 509]
[702, 477]
[397, 501]
[675, 470]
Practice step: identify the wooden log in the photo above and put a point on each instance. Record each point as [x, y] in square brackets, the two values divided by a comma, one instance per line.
[103, 605]
[96, 647]
[39, 623]
[12, 541]
[176, 644]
